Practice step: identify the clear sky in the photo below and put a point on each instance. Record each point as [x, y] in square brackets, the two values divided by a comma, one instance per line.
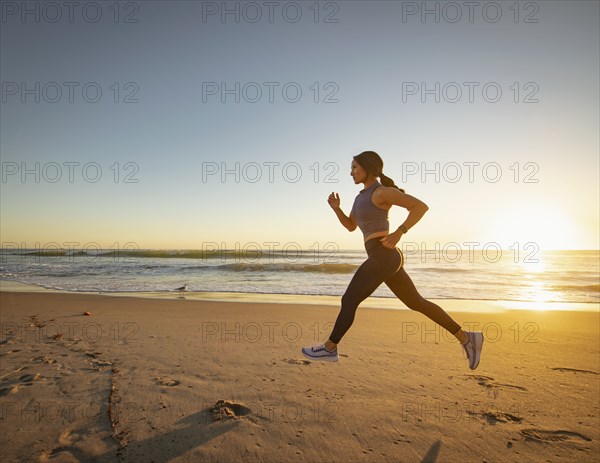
[367, 73]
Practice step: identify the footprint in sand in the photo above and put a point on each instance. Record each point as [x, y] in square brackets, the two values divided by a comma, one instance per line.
[8, 390]
[66, 449]
[170, 382]
[497, 417]
[489, 383]
[44, 359]
[297, 361]
[35, 322]
[543, 435]
[28, 379]
[67, 438]
[575, 370]
[99, 365]
[223, 409]
[12, 351]
[11, 386]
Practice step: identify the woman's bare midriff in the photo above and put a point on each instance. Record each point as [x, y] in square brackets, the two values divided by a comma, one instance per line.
[375, 234]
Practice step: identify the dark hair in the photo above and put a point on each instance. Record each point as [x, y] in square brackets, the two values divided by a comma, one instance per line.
[373, 164]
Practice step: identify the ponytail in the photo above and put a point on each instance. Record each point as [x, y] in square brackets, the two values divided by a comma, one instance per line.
[386, 181]
[373, 164]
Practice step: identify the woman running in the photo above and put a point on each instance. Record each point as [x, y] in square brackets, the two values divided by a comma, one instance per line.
[385, 261]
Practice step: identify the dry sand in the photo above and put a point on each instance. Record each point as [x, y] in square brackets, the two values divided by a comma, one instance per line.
[143, 380]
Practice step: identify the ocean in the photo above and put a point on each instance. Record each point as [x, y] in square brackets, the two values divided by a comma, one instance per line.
[552, 276]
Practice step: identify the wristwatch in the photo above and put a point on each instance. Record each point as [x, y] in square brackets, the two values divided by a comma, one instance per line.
[403, 228]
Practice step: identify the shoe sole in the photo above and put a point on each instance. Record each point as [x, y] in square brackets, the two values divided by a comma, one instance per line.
[326, 359]
[478, 343]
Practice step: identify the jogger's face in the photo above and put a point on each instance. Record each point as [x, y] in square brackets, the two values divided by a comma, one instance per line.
[357, 172]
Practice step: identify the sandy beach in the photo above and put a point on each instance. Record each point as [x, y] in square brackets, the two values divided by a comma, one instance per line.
[211, 381]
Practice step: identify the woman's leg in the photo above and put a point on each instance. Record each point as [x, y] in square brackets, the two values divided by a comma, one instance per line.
[403, 287]
[372, 272]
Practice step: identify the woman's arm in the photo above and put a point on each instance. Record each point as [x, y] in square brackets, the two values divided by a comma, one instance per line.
[334, 202]
[390, 196]
[415, 214]
[346, 221]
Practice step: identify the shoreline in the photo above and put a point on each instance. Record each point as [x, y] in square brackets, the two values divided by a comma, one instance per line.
[451, 305]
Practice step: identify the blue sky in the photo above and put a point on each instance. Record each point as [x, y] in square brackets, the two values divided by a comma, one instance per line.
[360, 64]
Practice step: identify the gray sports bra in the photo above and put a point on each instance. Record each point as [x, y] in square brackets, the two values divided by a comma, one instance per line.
[368, 216]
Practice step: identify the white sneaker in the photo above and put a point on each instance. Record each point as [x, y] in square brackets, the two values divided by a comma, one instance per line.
[319, 352]
[472, 349]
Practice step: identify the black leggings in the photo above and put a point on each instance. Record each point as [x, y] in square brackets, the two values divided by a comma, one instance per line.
[385, 265]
